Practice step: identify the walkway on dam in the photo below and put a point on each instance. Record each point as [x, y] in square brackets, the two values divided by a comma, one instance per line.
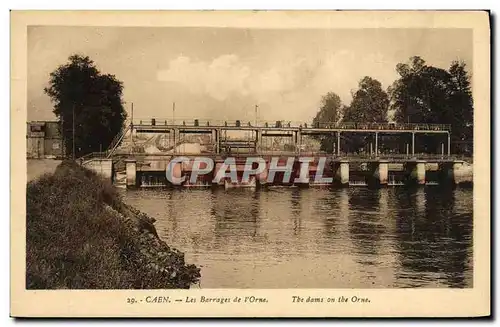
[157, 137]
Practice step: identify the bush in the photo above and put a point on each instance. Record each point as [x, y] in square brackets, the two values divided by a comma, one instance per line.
[80, 235]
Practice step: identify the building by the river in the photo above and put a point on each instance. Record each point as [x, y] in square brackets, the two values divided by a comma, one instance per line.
[43, 140]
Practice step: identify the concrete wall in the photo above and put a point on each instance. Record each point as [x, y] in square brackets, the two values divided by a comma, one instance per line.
[53, 147]
[342, 173]
[415, 172]
[188, 148]
[35, 147]
[379, 172]
[131, 171]
[103, 167]
[460, 173]
[152, 164]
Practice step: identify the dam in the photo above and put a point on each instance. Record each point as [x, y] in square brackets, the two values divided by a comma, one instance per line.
[148, 151]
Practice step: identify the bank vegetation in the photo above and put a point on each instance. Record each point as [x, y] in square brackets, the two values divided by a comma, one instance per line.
[80, 235]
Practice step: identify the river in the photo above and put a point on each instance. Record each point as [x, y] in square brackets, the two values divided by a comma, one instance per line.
[318, 238]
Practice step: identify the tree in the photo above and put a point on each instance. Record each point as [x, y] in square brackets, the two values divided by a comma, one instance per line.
[426, 94]
[463, 109]
[78, 90]
[370, 104]
[421, 95]
[329, 113]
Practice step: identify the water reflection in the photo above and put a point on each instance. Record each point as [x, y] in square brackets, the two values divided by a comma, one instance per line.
[235, 219]
[286, 238]
[365, 227]
[297, 209]
[434, 242]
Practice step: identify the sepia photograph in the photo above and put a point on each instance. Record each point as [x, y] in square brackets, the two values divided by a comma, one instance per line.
[246, 158]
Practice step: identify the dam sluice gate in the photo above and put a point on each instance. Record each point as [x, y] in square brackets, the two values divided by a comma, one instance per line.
[285, 172]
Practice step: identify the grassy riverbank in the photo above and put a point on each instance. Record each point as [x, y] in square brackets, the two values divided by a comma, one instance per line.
[80, 235]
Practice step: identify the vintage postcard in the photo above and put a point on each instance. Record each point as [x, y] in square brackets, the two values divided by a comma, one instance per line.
[250, 164]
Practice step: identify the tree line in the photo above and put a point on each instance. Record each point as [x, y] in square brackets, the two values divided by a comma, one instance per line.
[422, 94]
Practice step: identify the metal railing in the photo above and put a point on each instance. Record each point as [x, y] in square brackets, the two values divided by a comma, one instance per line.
[92, 156]
[385, 126]
[109, 152]
[116, 141]
[347, 156]
[401, 156]
[290, 124]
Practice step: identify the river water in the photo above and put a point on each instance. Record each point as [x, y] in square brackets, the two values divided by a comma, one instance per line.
[318, 238]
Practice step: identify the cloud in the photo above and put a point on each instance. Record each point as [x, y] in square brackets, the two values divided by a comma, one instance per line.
[228, 76]
[291, 85]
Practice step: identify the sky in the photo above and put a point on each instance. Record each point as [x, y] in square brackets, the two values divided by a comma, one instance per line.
[222, 73]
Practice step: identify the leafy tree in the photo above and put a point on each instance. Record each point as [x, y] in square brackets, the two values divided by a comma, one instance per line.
[426, 94]
[78, 90]
[463, 110]
[420, 95]
[329, 113]
[370, 104]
